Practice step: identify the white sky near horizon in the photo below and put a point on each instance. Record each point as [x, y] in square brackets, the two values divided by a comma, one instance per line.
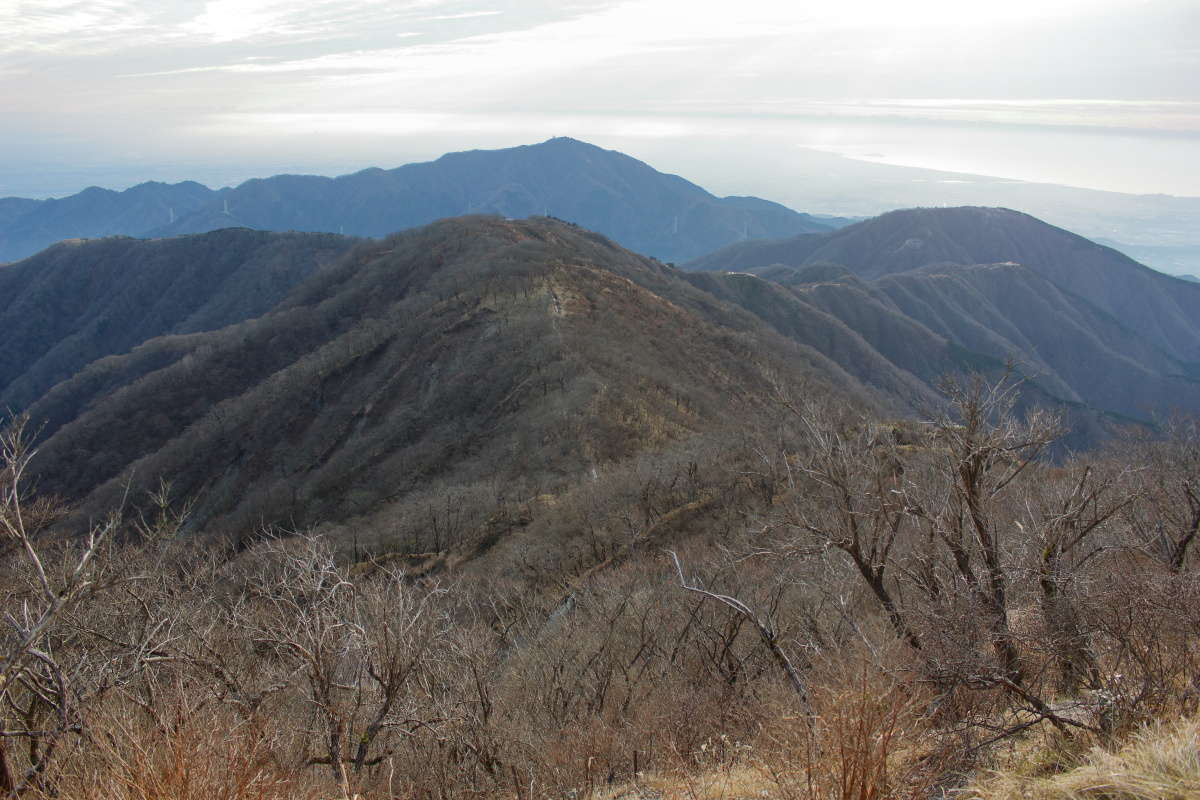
[1096, 93]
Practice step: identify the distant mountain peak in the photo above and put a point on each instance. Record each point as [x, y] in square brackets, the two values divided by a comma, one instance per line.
[945, 214]
[648, 211]
[568, 141]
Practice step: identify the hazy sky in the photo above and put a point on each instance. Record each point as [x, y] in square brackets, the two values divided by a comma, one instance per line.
[1097, 93]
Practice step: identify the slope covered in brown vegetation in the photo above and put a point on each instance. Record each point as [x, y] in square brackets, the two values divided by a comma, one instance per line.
[490, 355]
[481, 357]
[836, 608]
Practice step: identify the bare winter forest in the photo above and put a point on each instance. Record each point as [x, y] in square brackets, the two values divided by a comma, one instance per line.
[829, 606]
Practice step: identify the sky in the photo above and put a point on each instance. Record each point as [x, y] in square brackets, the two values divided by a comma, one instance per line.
[1102, 94]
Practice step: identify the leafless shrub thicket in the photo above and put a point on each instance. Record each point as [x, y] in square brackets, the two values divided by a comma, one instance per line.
[871, 611]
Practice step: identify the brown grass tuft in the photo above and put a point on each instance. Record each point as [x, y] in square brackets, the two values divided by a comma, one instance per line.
[1161, 762]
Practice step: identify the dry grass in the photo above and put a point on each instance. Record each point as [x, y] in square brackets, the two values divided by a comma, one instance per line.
[1161, 762]
[735, 782]
[203, 756]
[866, 738]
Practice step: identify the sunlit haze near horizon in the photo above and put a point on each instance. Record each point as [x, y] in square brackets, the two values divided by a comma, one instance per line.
[1101, 94]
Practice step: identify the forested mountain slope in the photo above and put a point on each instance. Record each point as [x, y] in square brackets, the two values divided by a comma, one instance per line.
[476, 351]
[324, 378]
[82, 300]
[1158, 307]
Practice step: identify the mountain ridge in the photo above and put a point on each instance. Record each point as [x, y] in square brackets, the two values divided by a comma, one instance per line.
[648, 211]
[1161, 307]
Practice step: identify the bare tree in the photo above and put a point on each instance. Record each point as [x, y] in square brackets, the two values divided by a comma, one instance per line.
[356, 642]
[763, 625]
[1168, 521]
[930, 527]
[1065, 514]
[34, 599]
[846, 493]
[980, 448]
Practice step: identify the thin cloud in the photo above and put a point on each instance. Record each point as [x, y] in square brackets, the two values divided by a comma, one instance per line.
[464, 15]
[643, 69]
[73, 28]
[76, 28]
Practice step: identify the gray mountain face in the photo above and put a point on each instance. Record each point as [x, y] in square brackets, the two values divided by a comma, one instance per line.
[27, 226]
[645, 210]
